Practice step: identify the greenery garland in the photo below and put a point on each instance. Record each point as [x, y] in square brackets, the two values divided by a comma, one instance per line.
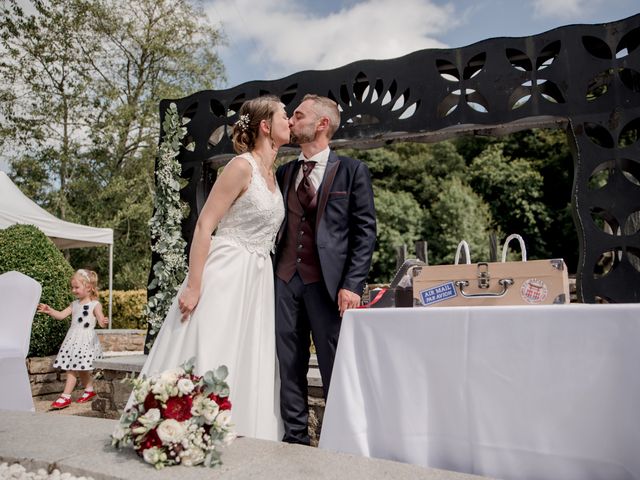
[166, 225]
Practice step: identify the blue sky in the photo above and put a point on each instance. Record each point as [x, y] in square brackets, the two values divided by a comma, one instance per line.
[269, 39]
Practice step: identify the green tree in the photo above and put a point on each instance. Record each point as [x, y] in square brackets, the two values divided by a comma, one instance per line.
[415, 173]
[416, 168]
[458, 213]
[400, 222]
[116, 59]
[512, 187]
[46, 86]
[549, 153]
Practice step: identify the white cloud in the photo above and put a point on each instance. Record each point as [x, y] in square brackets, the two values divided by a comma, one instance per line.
[285, 38]
[566, 9]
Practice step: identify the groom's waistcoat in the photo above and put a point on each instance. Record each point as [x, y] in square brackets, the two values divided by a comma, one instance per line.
[299, 253]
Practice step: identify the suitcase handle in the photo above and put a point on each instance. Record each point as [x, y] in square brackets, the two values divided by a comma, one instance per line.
[464, 246]
[504, 282]
[505, 247]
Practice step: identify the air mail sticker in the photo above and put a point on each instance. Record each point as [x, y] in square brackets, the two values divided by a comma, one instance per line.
[438, 293]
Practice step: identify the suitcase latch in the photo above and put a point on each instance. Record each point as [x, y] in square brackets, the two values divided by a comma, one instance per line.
[484, 279]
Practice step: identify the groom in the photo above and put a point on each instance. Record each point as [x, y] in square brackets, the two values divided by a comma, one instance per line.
[323, 254]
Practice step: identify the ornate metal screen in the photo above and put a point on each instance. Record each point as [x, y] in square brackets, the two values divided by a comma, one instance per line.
[582, 78]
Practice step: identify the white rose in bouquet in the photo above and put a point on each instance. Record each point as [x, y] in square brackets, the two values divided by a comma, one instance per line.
[185, 386]
[171, 431]
[224, 419]
[210, 411]
[205, 407]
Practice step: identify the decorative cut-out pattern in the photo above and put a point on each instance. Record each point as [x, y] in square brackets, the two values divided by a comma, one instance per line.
[605, 171]
[601, 82]
[547, 90]
[360, 98]
[602, 137]
[606, 263]
[586, 78]
[462, 95]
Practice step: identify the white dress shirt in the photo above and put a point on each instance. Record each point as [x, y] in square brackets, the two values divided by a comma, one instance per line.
[317, 173]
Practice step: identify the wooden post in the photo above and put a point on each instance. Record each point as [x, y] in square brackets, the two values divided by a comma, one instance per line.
[401, 255]
[493, 247]
[421, 251]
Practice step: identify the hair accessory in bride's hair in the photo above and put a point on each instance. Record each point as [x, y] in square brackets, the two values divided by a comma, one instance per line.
[243, 122]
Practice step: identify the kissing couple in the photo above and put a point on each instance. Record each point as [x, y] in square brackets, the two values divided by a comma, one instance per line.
[290, 254]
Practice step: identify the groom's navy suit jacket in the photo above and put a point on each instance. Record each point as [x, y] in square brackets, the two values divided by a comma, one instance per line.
[345, 221]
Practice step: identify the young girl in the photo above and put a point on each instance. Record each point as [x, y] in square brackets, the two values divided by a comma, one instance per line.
[81, 345]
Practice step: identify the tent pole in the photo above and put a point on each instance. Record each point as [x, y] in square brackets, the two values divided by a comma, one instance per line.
[110, 282]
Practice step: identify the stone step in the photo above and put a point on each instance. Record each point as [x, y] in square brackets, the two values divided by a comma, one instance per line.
[123, 362]
[80, 446]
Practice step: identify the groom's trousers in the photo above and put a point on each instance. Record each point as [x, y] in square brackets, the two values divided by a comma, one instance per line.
[302, 310]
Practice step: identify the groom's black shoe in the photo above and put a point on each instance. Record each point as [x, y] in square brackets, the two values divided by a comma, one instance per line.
[297, 441]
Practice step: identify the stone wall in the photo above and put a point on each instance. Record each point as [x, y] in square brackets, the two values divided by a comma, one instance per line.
[112, 393]
[44, 379]
[48, 381]
[120, 340]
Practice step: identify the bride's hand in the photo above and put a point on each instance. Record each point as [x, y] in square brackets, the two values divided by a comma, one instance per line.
[187, 302]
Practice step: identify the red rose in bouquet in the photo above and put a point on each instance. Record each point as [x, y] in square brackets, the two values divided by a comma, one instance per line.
[150, 402]
[178, 408]
[151, 439]
[223, 402]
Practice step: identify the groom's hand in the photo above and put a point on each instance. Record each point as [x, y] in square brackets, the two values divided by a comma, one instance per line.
[347, 299]
[187, 302]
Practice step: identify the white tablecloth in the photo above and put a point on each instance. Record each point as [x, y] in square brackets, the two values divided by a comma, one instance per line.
[539, 392]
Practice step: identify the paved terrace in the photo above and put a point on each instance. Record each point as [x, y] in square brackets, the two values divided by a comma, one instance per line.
[80, 446]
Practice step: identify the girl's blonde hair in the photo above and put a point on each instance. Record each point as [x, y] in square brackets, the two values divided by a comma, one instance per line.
[252, 112]
[90, 279]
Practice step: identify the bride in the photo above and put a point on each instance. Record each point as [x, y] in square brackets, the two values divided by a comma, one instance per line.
[224, 312]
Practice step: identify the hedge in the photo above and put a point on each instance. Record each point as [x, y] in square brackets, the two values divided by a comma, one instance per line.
[127, 308]
[26, 249]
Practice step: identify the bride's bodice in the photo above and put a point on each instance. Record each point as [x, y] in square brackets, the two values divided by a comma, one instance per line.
[254, 218]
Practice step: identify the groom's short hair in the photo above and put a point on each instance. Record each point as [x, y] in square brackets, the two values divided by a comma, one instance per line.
[325, 107]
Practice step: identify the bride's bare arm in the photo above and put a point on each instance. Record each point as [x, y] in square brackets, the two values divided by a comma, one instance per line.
[231, 183]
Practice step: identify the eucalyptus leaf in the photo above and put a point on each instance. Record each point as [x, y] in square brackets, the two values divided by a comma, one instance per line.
[221, 372]
[209, 377]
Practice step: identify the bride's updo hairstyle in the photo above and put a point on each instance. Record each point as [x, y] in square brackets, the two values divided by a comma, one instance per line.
[252, 112]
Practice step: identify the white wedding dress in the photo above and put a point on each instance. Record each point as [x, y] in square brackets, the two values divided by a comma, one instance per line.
[233, 323]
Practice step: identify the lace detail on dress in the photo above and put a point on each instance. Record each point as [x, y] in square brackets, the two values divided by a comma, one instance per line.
[254, 218]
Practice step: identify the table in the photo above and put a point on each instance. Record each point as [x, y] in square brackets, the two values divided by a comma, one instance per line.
[528, 392]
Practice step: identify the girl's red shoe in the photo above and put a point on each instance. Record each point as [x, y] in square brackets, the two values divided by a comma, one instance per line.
[86, 396]
[61, 402]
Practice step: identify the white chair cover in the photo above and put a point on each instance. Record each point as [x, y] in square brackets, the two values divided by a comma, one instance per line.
[19, 296]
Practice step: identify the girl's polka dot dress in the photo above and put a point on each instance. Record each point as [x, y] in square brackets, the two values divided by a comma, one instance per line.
[81, 345]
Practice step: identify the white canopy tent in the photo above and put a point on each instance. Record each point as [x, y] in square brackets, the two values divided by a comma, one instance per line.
[16, 207]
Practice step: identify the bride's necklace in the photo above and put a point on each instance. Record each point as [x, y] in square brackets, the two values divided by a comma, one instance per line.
[266, 171]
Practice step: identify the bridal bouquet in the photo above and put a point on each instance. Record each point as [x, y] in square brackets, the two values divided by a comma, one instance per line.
[178, 418]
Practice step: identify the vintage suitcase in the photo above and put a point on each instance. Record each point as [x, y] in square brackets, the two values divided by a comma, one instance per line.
[537, 282]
